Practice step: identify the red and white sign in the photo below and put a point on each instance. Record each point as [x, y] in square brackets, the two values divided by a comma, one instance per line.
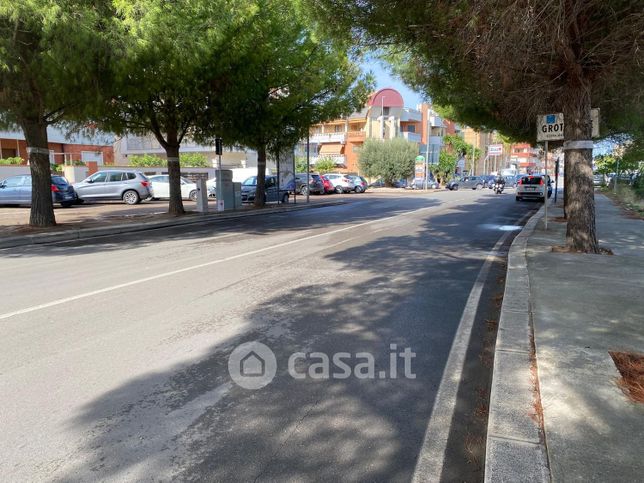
[495, 149]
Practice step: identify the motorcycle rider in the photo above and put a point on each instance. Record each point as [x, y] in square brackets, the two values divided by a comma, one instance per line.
[499, 183]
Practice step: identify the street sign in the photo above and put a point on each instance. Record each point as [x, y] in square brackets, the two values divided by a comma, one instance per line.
[495, 149]
[550, 127]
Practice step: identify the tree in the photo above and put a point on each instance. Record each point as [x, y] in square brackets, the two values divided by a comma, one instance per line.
[51, 56]
[325, 165]
[390, 160]
[500, 63]
[173, 59]
[446, 166]
[294, 77]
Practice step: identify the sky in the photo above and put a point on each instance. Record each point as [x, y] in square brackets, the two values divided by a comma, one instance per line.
[385, 79]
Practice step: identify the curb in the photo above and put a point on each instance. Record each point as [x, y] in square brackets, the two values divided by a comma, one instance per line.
[515, 447]
[84, 233]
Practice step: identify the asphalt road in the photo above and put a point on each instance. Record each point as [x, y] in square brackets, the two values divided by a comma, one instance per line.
[114, 352]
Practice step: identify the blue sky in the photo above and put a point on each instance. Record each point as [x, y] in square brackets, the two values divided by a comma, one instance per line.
[385, 79]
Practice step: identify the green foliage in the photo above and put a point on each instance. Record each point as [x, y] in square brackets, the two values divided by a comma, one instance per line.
[300, 164]
[56, 168]
[293, 76]
[194, 160]
[11, 161]
[446, 166]
[390, 160]
[146, 161]
[78, 162]
[324, 165]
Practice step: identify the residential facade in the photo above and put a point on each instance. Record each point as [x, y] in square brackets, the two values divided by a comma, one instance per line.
[232, 157]
[525, 158]
[383, 117]
[63, 148]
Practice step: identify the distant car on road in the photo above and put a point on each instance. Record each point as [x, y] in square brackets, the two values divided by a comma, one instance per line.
[473, 182]
[272, 193]
[399, 183]
[316, 185]
[599, 180]
[161, 187]
[533, 187]
[16, 190]
[341, 182]
[129, 186]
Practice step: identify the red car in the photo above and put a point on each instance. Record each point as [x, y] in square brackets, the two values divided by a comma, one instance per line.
[328, 187]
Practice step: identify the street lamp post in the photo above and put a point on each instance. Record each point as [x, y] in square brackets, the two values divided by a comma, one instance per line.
[382, 113]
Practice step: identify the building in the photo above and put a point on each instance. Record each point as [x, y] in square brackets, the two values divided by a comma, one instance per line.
[384, 117]
[63, 148]
[525, 158]
[232, 157]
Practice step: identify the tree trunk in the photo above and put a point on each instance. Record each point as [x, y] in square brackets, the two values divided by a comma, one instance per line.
[42, 206]
[580, 233]
[567, 169]
[175, 206]
[261, 177]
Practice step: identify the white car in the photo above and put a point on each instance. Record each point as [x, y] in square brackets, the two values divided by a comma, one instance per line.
[161, 188]
[341, 182]
[533, 187]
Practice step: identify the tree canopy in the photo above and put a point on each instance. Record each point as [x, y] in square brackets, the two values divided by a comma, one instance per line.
[391, 160]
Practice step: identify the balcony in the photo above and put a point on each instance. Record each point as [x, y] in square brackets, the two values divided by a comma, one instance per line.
[356, 136]
[332, 137]
[414, 137]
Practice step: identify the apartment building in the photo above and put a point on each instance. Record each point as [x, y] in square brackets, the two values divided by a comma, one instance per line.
[383, 117]
[232, 157]
[525, 158]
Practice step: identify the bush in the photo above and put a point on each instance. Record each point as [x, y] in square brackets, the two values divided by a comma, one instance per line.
[390, 160]
[56, 168]
[11, 161]
[325, 165]
[194, 160]
[147, 161]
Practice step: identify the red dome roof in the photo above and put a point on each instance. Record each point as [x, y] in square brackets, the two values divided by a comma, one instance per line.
[392, 98]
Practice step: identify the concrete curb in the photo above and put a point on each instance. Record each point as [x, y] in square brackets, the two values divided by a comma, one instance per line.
[83, 233]
[515, 447]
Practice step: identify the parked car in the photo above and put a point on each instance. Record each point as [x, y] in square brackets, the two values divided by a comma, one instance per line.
[360, 183]
[316, 185]
[488, 181]
[511, 180]
[341, 182]
[380, 183]
[272, 193]
[129, 186]
[161, 187]
[534, 187]
[328, 186]
[16, 190]
[453, 184]
[419, 184]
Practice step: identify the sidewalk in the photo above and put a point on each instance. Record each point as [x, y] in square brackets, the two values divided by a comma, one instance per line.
[581, 307]
[16, 236]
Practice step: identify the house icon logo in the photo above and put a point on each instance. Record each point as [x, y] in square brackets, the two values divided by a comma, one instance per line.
[252, 365]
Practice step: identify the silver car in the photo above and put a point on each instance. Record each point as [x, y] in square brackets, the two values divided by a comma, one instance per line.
[341, 182]
[129, 186]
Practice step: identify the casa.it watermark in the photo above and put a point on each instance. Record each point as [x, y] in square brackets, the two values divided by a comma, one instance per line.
[253, 365]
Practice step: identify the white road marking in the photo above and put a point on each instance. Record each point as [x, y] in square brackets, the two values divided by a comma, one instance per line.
[73, 298]
[431, 458]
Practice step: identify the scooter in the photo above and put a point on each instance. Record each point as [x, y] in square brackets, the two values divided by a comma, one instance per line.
[498, 188]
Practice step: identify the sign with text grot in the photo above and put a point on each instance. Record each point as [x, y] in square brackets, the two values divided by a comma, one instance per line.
[550, 127]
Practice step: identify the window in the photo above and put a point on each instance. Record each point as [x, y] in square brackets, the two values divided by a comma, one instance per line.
[411, 128]
[99, 177]
[116, 177]
[8, 153]
[252, 181]
[339, 128]
[270, 182]
[129, 176]
[14, 182]
[385, 111]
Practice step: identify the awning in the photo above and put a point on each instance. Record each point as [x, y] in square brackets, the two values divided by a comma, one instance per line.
[331, 149]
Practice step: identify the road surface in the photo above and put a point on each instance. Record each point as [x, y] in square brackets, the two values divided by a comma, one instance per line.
[114, 352]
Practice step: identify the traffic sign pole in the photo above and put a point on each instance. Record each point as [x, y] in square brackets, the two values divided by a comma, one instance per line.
[545, 195]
